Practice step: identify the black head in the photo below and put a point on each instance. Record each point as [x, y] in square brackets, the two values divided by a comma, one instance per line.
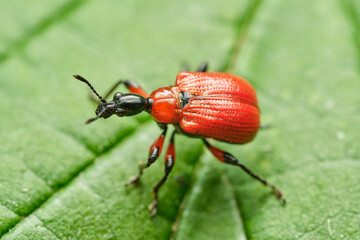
[127, 104]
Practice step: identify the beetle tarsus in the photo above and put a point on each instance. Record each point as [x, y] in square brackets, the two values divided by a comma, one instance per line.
[135, 179]
[230, 159]
[278, 193]
[203, 67]
[153, 208]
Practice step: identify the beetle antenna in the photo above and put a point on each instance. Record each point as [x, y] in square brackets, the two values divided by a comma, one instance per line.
[78, 77]
[93, 119]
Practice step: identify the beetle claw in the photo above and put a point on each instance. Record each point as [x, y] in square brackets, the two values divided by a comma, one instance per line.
[133, 181]
[153, 208]
[279, 195]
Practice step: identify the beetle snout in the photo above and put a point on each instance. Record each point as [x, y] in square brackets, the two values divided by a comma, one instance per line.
[104, 110]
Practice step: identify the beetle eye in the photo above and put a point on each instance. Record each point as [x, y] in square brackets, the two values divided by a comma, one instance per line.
[117, 95]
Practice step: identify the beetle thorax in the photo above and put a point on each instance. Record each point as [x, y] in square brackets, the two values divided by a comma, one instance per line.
[165, 105]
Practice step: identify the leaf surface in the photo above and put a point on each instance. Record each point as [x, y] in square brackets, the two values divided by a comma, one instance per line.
[60, 179]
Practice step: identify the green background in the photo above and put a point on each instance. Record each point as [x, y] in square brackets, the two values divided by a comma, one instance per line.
[61, 179]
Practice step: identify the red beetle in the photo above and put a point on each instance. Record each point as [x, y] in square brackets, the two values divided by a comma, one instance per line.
[200, 104]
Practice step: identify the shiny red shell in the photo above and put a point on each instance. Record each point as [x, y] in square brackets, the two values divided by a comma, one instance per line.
[221, 106]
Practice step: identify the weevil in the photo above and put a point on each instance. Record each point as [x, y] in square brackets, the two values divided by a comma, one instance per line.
[201, 104]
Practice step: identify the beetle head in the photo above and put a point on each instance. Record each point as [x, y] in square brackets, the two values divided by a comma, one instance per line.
[127, 104]
[122, 104]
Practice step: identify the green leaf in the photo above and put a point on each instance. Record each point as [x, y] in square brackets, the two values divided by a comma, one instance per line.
[61, 179]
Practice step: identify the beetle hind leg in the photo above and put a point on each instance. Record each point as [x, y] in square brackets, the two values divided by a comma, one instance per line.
[203, 67]
[169, 164]
[230, 159]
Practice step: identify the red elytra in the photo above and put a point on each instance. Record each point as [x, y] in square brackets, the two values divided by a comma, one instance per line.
[221, 106]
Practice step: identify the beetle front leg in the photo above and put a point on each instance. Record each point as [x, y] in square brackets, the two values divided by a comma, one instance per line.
[132, 86]
[154, 153]
[230, 159]
[169, 164]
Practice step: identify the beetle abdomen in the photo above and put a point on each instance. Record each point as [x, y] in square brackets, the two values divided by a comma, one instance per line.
[222, 106]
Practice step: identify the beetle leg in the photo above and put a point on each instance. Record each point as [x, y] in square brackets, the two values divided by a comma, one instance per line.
[185, 68]
[154, 152]
[132, 86]
[230, 159]
[169, 164]
[203, 67]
